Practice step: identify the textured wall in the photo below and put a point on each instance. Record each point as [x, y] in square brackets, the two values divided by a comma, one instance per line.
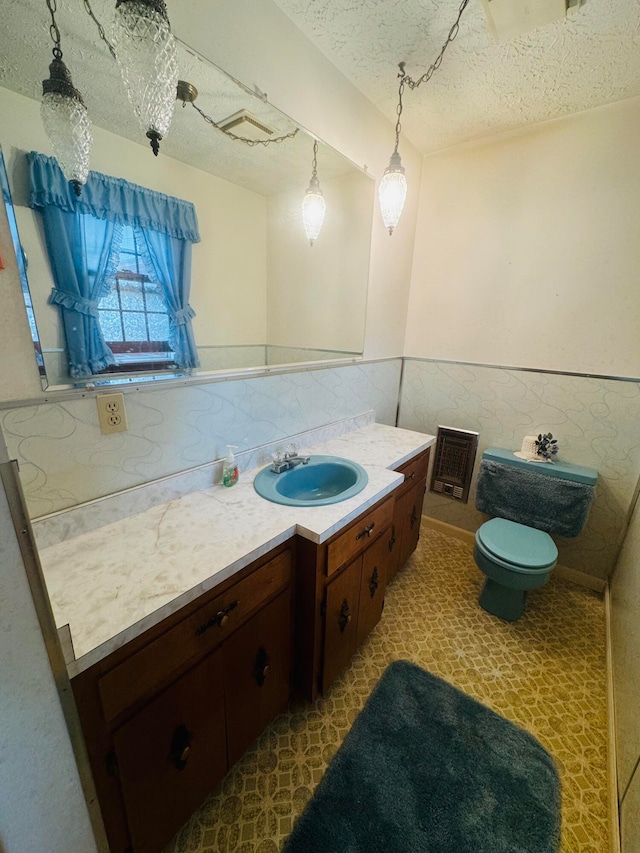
[625, 635]
[594, 420]
[65, 460]
[41, 802]
[527, 249]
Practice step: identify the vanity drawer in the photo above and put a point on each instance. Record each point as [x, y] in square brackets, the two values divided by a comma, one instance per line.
[359, 536]
[158, 663]
[414, 470]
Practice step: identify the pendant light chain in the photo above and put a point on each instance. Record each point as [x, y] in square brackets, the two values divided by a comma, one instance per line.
[453, 32]
[402, 77]
[101, 31]
[54, 32]
[250, 142]
[314, 165]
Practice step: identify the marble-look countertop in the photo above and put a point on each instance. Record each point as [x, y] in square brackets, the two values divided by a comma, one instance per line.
[111, 584]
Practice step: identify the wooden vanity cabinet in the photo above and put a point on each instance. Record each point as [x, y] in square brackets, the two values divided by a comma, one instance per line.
[340, 594]
[408, 511]
[166, 715]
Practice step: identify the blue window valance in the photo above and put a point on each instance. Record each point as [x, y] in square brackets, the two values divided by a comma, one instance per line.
[113, 199]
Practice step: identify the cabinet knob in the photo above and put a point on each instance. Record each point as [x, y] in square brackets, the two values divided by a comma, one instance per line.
[220, 618]
[392, 538]
[261, 666]
[345, 616]
[411, 476]
[180, 748]
[374, 582]
[367, 531]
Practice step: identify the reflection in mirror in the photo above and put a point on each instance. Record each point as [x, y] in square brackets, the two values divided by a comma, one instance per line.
[261, 294]
[21, 260]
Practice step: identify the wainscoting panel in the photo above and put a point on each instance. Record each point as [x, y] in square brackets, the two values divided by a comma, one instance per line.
[595, 422]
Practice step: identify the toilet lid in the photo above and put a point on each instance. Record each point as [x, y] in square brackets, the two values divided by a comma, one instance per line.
[517, 544]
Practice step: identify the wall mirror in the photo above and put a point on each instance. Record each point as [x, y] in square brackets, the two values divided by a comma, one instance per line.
[261, 294]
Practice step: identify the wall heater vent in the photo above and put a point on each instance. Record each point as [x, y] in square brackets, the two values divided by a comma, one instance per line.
[453, 463]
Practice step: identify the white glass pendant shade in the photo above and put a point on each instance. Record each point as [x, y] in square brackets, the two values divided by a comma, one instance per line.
[313, 210]
[392, 192]
[67, 124]
[147, 56]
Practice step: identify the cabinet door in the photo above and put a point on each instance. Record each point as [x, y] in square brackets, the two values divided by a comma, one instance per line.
[171, 754]
[372, 586]
[410, 514]
[257, 673]
[341, 621]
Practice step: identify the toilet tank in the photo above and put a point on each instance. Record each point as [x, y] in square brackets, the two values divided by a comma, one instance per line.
[550, 496]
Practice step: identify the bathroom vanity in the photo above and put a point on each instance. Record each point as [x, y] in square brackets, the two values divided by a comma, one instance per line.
[170, 701]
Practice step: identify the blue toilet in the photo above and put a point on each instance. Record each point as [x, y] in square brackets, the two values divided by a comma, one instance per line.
[530, 500]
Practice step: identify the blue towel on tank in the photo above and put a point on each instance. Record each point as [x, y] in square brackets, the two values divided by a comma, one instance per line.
[528, 497]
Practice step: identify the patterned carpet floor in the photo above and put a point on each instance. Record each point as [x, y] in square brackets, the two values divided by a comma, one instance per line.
[545, 672]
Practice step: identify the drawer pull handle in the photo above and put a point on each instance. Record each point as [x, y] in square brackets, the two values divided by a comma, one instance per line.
[411, 476]
[374, 583]
[366, 531]
[392, 538]
[261, 666]
[180, 748]
[345, 616]
[219, 619]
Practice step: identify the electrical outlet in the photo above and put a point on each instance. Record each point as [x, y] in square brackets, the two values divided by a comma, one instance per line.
[111, 413]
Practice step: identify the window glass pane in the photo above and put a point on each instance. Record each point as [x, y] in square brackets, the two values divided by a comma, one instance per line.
[155, 297]
[131, 295]
[134, 327]
[127, 263]
[110, 301]
[158, 327]
[128, 241]
[110, 325]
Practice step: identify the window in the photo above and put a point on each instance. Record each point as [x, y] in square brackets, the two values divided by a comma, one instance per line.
[145, 314]
[134, 316]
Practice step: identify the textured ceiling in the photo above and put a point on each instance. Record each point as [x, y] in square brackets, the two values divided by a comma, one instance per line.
[483, 87]
[25, 53]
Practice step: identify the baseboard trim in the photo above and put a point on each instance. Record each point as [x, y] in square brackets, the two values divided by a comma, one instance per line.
[612, 764]
[465, 536]
[564, 572]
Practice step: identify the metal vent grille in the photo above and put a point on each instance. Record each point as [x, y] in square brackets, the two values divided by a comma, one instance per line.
[453, 463]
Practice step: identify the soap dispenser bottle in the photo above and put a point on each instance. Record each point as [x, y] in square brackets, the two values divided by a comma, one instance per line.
[230, 469]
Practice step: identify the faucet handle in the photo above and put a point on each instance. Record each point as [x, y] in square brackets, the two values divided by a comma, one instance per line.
[278, 456]
[292, 450]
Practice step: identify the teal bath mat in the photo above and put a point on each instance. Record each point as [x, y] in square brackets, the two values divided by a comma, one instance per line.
[427, 769]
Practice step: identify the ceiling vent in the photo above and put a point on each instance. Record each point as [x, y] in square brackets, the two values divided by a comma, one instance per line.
[511, 18]
[244, 123]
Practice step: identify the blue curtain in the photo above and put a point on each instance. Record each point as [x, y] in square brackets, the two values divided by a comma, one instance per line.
[82, 258]
[170, 259]
[83, 251]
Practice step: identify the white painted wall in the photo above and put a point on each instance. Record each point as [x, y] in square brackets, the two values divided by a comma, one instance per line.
[41, 802]
[229, 264]
[527, 250]
[625, 635]
[317, 295]
[255, 42]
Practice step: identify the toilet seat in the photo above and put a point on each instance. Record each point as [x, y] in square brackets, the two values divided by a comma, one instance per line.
[517, 547]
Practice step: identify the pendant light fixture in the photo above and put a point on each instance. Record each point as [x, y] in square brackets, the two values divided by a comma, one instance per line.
[64, 115]
[392, 191]
[313, 204]
[146, 53]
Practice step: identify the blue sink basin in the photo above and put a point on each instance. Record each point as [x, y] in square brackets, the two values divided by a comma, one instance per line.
[323, 480]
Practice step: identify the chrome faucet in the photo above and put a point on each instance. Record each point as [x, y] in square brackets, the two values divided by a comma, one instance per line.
[283, 460]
